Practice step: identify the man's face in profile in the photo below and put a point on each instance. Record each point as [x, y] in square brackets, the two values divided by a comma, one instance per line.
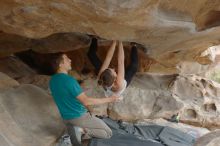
[66, 62]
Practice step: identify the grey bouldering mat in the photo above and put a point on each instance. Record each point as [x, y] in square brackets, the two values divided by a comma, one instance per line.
[136, 135]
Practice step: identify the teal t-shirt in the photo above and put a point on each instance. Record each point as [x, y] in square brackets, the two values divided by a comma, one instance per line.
[64, 90]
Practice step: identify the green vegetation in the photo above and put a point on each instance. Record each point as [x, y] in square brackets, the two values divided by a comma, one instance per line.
[215, 76]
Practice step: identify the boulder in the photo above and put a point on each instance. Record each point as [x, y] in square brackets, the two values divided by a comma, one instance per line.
[7, 82]
[210, 139]
[28, 117]
[152, 96]
[170, 30]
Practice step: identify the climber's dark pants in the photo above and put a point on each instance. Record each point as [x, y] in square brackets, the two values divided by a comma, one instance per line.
[130, 70]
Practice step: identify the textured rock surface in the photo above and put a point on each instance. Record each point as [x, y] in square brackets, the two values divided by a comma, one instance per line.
[146, 63]
[42, 18]
[80, 60]
[28, 117]
[15, 68]
[196, 99]
[7, 82]
[61, 42]
[41, 81]
[178, 36]
[172, 31]
[157, 96]
[202, 100]
[210, 139]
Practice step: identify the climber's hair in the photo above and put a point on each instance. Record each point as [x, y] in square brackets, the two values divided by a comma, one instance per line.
[56, 59]
[106, 78]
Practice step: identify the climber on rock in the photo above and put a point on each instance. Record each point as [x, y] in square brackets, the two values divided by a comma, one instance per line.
[114, 83]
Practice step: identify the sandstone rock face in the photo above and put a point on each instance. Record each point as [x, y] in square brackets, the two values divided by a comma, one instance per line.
[61, 42]
[172, 31]
[210, 139]
[15, 68]
[180, 37]
[150, 96]
[7, 82]
[24, 123]
[214, 73]
[12, 43]
[28, 117]
[202, 98]
[80, 60]
[42, 18]
[41, 81]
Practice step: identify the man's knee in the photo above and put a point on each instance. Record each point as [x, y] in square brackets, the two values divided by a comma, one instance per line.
[106, 133]
[109, 133]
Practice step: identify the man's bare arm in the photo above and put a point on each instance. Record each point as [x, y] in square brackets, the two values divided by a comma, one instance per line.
[86, 100]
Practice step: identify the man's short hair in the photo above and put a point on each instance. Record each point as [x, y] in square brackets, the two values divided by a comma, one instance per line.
[57, 58]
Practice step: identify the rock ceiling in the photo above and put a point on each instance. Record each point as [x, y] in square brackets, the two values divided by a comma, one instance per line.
[172, 30]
